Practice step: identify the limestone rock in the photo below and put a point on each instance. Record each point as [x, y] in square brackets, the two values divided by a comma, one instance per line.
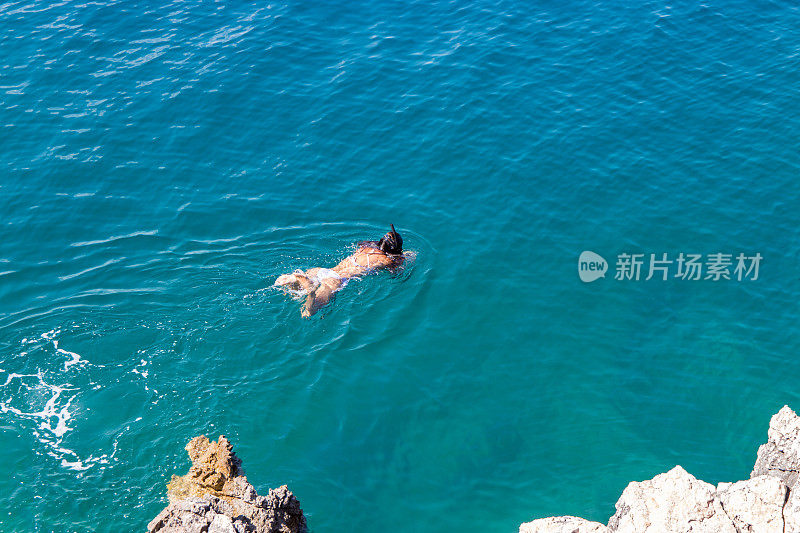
[780, 456]
[678, 502]
[791, 511]
[221, 524]
[674, 501]
[215, 497]
[562, 524]
[755, 504]
[213, 471]
[198, 515]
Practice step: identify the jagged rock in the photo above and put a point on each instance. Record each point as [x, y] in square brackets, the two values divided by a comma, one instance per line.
[222, 524]
[214, 468]
[215, 497]
[678, 502]
[755, 504]
[780, 456]
[791, 512]
[562, 524]
[198, 515]
[675, 501]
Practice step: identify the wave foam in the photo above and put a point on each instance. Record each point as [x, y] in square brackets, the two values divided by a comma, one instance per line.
[45, 407]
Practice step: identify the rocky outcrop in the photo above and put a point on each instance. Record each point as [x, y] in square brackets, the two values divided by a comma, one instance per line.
[678, 502]
[562, 524]
[215, 497]
[780, 456]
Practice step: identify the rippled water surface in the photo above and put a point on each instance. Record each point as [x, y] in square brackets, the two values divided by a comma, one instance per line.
[162, 163]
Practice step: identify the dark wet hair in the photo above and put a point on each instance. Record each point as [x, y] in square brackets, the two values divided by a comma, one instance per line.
[391, 243]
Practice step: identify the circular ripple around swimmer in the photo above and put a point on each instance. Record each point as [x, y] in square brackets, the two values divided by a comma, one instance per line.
[359, 315]
[296, 365]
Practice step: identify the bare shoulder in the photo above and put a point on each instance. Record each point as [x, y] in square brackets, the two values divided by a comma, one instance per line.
[380, 259]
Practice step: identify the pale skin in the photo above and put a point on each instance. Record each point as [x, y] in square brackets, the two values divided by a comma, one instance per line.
[365, 259]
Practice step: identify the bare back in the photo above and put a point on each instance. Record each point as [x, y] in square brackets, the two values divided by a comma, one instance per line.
[365, 259]
[320, 284]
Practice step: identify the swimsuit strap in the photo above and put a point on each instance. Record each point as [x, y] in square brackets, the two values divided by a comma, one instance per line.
[369, 260]
[353, 260]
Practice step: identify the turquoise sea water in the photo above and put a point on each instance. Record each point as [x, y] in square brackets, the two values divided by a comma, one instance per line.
[162, 163]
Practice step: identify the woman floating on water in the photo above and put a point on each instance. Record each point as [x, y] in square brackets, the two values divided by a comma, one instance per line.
[320, 283]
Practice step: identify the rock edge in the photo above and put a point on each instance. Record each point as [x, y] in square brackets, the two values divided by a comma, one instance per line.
[215, 497]
[676, 501]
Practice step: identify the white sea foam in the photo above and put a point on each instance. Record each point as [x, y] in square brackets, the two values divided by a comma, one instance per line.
[48, 406]
[45, 402]
[74, 358]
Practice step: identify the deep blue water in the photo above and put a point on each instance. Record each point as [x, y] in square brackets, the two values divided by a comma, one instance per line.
[161, 163]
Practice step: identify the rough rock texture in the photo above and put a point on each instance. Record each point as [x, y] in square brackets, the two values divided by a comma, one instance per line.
[678, 502]
[562, 524]
[215, 497]
[780, 456]
[754, 505]
[675, 501]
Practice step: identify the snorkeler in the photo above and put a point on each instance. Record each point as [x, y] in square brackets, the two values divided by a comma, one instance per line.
[320, 283]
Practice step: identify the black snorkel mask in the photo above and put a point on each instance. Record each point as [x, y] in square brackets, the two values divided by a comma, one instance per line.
[391, 243]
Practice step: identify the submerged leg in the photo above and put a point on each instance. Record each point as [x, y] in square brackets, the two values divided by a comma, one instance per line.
[320, 297]
[297, 280]
[303, 279]
[288, 281]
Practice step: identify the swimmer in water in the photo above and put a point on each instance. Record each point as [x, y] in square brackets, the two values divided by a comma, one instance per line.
[321, 283]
